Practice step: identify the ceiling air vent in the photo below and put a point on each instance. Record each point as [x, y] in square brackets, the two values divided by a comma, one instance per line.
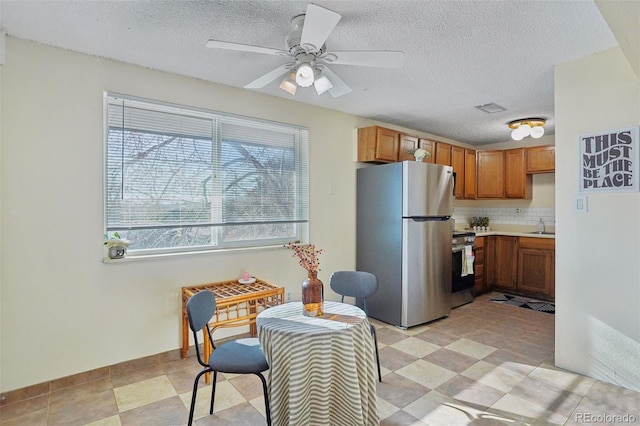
[491, 108]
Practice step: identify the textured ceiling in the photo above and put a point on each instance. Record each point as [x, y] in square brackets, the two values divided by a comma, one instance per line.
[458, 54]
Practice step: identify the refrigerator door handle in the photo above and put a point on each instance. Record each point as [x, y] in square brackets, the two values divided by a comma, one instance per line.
[426, 219]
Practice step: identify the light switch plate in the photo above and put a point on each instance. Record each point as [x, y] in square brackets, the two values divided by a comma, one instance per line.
[580, 203]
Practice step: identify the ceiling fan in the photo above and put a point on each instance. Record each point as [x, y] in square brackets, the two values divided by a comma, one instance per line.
[309, 55]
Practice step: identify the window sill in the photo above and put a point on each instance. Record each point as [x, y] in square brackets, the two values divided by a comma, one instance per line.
[173, 255]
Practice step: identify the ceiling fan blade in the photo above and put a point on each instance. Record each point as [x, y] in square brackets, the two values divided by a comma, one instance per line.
[260, 82]
[217, 44]
[318, 24]
[339, 87]
[371, 58]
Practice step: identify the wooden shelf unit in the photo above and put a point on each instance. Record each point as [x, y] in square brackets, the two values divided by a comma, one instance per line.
[236, 305]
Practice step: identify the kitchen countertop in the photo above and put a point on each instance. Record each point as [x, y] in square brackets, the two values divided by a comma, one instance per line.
[513, 234]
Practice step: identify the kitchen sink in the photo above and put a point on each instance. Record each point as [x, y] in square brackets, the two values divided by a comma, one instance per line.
[542, 233]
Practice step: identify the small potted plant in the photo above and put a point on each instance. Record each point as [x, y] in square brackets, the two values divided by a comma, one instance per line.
[116, 246]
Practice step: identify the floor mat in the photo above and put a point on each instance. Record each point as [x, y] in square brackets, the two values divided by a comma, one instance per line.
[527, 303]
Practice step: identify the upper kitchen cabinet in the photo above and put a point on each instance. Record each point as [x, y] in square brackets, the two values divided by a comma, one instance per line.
[502, 174]
[377, 144]
[443, 153]
[457, 161]
[517, 183]
[490, 174]
[470, 174]
[541, 159]
[428, 146]
[408, 144]
[464, 166]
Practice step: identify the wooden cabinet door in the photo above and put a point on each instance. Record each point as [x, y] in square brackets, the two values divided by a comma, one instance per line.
[505, 261]
[428, 146]
[541, 159]
[387, 143]
[536, 267]
[518, 184]
[443, 153]
[480, 285]
[469, 174]
[408, 144]
[490, 174]
[457, 161]
[490, 261]
[378, 145]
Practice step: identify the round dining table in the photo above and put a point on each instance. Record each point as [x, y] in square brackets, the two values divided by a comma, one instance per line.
[322, 370]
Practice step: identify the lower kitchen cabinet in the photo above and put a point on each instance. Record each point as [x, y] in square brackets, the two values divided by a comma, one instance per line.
[480, 284]
[536, 267]
[521, 265]
[505, 262]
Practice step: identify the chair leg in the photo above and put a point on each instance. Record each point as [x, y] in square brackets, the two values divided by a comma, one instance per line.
[213, 390]
[194, 394]
[266, 398]
[375, 341]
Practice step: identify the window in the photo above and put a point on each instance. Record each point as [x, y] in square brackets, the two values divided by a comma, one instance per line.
[183, 179]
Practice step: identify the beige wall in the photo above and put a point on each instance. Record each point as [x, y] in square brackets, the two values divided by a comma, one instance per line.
[59, 302]
[597, 253]
[57, 298]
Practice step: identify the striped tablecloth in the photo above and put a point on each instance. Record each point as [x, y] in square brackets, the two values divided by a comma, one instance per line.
[322, 371]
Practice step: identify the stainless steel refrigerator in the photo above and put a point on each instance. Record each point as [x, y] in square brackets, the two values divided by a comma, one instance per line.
[404, 237]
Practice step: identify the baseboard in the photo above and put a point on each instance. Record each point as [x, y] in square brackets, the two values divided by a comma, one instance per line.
[62, 383]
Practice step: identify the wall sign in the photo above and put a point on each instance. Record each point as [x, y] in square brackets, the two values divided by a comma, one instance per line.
[609, 161]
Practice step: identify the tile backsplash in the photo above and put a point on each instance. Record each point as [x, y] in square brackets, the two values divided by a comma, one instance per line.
[505, 215]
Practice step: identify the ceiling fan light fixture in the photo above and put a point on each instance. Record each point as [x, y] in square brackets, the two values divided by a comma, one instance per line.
[289, 84]
[304, 75]
[322, 84]
[522, 128]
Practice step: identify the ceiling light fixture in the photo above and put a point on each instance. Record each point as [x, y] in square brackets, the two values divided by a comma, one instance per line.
[289, 83]
[322, 84]
[524, 127]
[304, 75]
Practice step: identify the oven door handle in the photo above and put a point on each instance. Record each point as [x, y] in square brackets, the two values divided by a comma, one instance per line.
[457, 249]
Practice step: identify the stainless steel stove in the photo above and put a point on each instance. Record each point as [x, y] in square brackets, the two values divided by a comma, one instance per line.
[463, 245]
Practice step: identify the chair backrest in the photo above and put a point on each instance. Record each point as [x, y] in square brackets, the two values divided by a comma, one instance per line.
[358, 284]
[200, 309]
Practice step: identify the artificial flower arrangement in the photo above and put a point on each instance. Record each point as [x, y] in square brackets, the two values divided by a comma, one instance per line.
[307, 256]
[420, 153]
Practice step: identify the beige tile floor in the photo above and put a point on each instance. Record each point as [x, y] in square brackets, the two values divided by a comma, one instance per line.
[486, 364]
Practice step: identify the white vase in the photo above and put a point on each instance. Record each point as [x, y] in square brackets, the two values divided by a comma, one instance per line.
[117, 252]
[419, 159]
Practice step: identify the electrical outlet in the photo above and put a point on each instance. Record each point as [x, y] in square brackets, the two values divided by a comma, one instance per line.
[288, 296]
[518, 211]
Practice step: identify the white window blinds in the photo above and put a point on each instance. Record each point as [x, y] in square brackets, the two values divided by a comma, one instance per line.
[187, 179]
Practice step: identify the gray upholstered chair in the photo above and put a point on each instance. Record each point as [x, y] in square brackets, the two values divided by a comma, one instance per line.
[361, 285]
[242, 356]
